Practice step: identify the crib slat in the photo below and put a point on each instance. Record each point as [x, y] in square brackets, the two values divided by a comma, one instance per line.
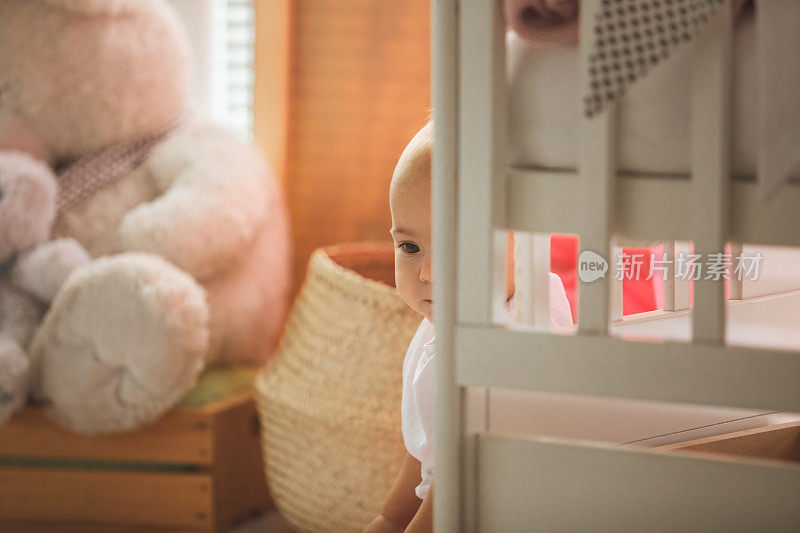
[541, 281]
[532, 280]
[552, 484]
[523, 278]
[597, 168]
[737, 285]
[481, 162]
[710, 133]
[615, 285]
[676, 289]
[601, 365]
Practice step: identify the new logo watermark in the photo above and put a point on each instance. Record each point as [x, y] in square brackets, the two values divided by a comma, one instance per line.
[591, 266]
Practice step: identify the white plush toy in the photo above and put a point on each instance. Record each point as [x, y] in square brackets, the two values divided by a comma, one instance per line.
[186, 228]
[32, 269]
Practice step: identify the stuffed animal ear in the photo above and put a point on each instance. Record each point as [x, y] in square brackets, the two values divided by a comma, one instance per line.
[96, 7]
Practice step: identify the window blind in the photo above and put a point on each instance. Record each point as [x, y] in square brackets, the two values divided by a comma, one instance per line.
[232, 41]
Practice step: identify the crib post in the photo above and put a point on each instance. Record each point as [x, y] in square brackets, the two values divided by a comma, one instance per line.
[480, 215]
[481, 163]
[711, 182]
[447, 417]
[597, 171]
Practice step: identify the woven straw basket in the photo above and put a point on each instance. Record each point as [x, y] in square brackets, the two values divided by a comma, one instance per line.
[329, 402]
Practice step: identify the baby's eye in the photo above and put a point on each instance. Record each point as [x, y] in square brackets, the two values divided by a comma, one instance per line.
[409, 247]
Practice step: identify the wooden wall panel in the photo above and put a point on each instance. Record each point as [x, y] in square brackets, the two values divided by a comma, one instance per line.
[271, 80]
[359, 88]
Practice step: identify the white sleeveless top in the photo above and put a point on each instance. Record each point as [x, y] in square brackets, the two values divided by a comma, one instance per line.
[419, 384]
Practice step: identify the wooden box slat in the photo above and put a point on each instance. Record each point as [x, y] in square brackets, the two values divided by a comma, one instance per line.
[240, 485]
[181, 436]
[142, 498]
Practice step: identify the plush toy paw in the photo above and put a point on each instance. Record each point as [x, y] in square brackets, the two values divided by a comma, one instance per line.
[42, 271]
[125, 338]
[14, 378]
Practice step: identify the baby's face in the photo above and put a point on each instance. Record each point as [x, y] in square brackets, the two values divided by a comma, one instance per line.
[410, 204]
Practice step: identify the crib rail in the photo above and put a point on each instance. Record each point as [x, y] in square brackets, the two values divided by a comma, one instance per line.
[580, 487]
[655, 208]
[601, 365]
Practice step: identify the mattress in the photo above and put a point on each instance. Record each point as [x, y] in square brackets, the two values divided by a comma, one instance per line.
[654, 117]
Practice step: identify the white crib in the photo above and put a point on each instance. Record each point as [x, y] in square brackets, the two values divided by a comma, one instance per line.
[491, 473]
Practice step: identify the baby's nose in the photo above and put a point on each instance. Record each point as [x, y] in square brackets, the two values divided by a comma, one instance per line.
[425, 273]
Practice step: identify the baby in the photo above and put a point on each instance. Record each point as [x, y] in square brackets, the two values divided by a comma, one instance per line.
[409, 505]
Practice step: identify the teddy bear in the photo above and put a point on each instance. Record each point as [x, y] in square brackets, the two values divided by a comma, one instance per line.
[186, 227]
[32, 268]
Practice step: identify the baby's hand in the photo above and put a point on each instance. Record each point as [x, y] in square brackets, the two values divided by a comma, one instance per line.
[381, 524]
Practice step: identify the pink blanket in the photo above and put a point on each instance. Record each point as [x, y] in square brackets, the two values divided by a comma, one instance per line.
[544, 21]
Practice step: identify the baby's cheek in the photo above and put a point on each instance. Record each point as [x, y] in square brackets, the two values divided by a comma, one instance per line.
[404, 288]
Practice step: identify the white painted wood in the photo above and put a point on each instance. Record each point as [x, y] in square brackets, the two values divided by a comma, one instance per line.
[711, 153]
[736, 284]
[532, 280]
[558, 485]
[772, 222]
[615, 285]
[654, 208]
[596, 168]
[482, 159]
[448, 419]
[599, 365]
[670, 290]
[541, 281]
[527, 211]
[677, 290]
[683, 286]
[476, 409]
[523, 278]
[481, 212]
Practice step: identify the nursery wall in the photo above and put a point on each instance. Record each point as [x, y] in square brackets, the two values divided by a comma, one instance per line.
[336, 107]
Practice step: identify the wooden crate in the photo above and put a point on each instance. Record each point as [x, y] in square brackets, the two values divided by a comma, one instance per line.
[193, 470]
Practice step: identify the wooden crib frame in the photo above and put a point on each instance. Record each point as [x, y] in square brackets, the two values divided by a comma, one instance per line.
[488, 482]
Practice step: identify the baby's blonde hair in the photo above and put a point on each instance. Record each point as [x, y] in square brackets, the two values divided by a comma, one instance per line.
[414, 165]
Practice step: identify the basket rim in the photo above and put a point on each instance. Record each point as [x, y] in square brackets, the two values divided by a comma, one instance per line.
[325, 256]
